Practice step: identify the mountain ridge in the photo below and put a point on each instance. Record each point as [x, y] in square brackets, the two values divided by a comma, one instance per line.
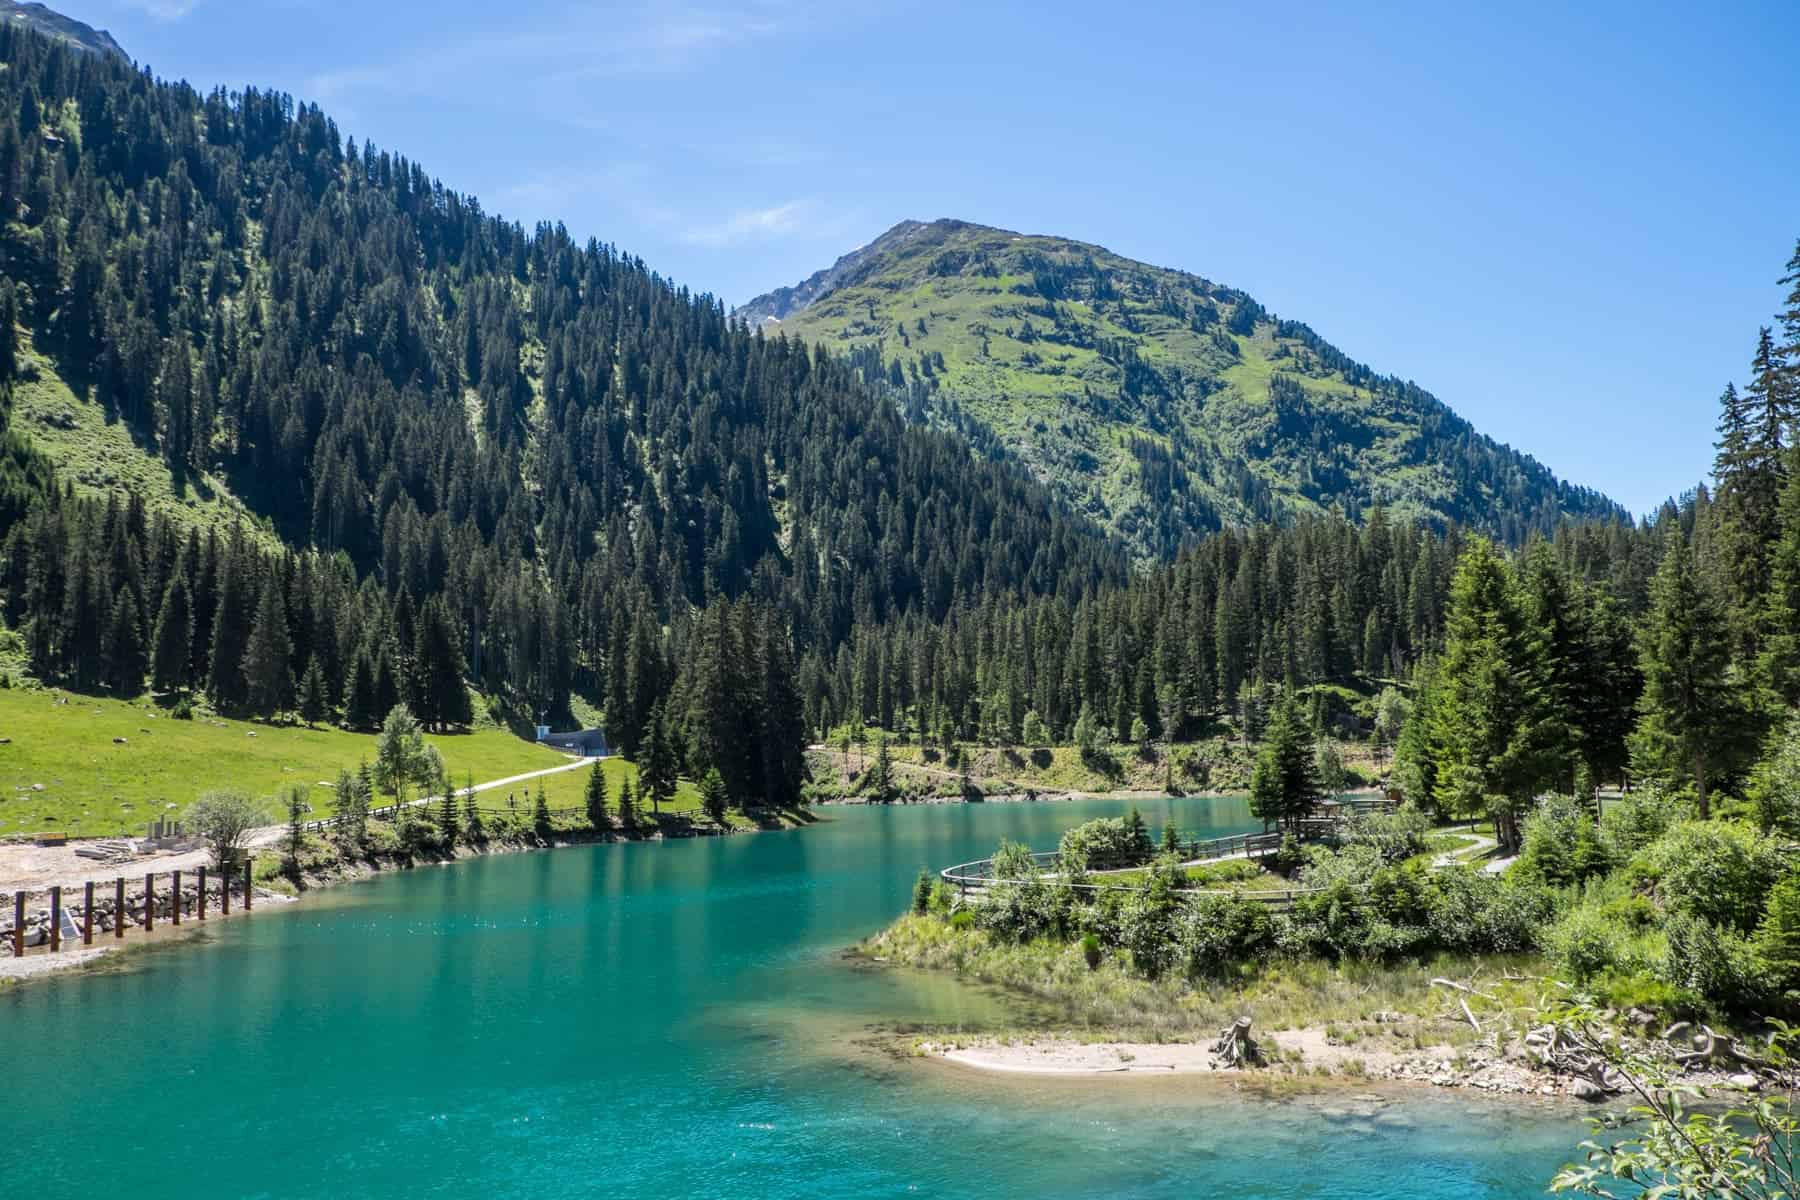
[1159, 402]
[61, 27]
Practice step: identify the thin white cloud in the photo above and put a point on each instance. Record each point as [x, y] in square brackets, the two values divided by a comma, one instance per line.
[759, 224]
[645, 39]
[164, 10]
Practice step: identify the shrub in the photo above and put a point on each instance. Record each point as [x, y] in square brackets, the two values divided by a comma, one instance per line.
[1217, 932]
[1715, 870]
[1583, 945]
[1708, 960]
[1630, 824]
[1395, 836]
[1104, 844]
[1562, 844]
[962, 918]
[1090, 950]
[1775, 949]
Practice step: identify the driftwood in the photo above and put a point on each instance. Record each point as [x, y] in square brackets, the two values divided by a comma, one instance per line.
[1711, 1047]
[1235, 1047]
[1463, 987]
[1560, 1051]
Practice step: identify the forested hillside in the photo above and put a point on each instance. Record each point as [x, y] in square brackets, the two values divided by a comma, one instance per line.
[1161, 404]
[380, 439]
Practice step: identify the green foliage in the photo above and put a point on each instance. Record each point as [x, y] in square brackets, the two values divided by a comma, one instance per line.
[224, 818]
[715, 797]
[594, 796]
[1070, 356]
[1718, 872]
[921, 898]
[1562, 842]
[1105, 844]
[1774, 789]
[1284, 787]
[1775, 947]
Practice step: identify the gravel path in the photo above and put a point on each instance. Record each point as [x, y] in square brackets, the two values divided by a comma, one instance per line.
[35, 868]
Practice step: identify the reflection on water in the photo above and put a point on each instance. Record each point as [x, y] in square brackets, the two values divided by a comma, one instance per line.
[670, 1020]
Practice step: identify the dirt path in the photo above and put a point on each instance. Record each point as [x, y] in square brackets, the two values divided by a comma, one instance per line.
[35, 868]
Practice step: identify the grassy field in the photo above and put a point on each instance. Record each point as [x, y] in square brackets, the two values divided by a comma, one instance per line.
[64, 768]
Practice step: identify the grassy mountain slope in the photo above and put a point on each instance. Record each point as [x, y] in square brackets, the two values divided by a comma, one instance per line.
[66, 30]
[1153, 400]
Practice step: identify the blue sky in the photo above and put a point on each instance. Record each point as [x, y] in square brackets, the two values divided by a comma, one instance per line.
[1568, 225]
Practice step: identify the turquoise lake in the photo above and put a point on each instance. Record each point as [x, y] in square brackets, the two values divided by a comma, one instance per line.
[656, 1021]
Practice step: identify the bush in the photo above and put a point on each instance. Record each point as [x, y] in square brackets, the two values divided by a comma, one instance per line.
[1561, 843]
[1474, 911]
[1395, 836]
[1583, 945]
[1105, 844]
[1218, 932]
[1090, 950]
[1630, 824]
[1708, 960]
[1775, 948]
[1717, 871]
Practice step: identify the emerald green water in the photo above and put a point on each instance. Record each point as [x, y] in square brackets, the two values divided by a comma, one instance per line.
[648, 1021]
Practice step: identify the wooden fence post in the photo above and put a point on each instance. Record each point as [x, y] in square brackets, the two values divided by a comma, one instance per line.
[56, 918]
[87, 914]
[119, 907]
[249, 876]
[149, 903]
[202, 904]
[175, 886]
[225, 891]
[19, 924]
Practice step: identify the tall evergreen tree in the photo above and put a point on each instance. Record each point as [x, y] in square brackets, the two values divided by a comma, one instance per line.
[174, 639]
[1689, 696]
[267, 670]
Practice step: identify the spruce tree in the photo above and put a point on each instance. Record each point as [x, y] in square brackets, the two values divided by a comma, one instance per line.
[1284, 784]
[627, 804]
[314, 707]
[125, 659]
[1495, 738]
[595, 796]
[267, 670]
[1689, 696]
[232, 618]
[170, 653]
[715, 799]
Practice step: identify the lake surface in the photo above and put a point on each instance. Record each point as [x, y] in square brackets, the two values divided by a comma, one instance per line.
[655, 1021]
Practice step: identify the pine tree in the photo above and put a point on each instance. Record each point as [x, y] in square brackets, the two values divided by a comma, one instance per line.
[268, 675]
[596, 796]
[656, 770]
[296, 832]
[472, 827]
[448, 825]
[1689, 696]
[1495, 739]
[627, 804]
[881, 775]
[231, 625]
[170, 654]
[438, 669]
[540, 812]
[1284, 783]
[313, 705]
[715, 799]
[125, 661]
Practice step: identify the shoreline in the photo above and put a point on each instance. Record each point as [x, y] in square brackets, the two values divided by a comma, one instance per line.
[40, 963]
[1050, 796]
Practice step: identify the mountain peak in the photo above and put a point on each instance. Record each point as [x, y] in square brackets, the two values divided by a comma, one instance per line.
[54, 25]
[1154, 400]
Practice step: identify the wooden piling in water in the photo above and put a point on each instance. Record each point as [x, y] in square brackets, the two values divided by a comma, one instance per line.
[249, 878]
[87, 914]
[225, 892]
[18, 924]
[119, 907]
[56, 918]
[203, 893]
[149, 903]
[175, 886]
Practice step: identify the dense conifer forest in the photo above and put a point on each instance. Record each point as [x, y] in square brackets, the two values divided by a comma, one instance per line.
[471, 448]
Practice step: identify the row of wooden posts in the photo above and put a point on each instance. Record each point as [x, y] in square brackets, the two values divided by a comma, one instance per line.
[119, 909]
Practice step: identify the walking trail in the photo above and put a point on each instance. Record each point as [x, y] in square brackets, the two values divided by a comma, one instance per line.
[35, 868]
